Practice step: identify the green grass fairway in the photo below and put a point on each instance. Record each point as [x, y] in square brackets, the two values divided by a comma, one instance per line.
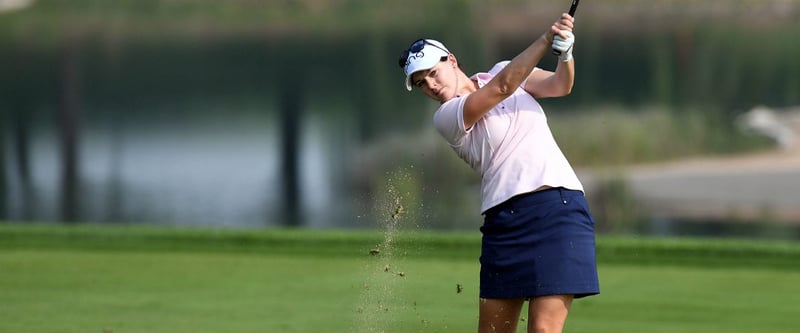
[124, 279]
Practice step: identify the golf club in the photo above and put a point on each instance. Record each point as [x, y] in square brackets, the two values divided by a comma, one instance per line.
[572, 9]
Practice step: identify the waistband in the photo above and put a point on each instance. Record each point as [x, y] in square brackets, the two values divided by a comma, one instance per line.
[535, 198]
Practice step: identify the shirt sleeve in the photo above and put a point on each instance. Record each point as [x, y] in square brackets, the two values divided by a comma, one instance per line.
[449, 118]
[449, 121]
[498, 67]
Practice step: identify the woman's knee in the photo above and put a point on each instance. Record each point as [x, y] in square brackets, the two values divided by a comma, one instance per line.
[547, 314]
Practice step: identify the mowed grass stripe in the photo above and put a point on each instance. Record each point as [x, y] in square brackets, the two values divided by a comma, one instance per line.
[358, 243]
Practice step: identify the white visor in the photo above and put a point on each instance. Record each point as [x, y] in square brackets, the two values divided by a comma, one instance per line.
[425, 59]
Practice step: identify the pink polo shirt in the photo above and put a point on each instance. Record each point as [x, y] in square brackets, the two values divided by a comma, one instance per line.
[511, 146]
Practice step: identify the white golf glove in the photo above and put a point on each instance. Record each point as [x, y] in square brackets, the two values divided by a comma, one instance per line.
[564, 46]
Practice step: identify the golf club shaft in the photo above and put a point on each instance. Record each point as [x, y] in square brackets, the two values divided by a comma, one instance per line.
[573, 7]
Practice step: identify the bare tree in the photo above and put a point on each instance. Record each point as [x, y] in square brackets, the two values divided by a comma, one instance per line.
[290, 109]
[68, 120]
[3, 181]
[21, 153]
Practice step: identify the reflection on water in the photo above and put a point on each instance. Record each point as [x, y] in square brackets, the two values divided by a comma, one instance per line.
[222, 171]
[188, 132]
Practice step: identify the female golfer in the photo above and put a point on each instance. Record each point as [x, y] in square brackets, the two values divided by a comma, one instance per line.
[538, 235]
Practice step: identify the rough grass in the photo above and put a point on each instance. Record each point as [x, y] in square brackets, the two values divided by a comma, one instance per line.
[144, 279]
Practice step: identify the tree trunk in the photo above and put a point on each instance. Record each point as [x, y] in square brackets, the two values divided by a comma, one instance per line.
[21, 138]
[291, 108]
[3, 181]
[68, 121]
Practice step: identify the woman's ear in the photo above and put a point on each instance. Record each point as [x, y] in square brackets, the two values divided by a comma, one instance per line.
[451, 58]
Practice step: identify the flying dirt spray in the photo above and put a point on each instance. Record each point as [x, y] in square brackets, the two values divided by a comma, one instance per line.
[380, 301]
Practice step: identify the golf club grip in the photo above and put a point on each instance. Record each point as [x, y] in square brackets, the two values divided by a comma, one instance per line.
[572, 9]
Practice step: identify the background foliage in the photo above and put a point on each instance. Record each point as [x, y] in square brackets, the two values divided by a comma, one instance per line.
[656, 80]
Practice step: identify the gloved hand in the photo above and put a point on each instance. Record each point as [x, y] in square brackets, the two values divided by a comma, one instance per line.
[563, 47]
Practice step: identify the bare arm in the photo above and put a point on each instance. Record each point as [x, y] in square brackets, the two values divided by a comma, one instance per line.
[509, 78]
[544, 83]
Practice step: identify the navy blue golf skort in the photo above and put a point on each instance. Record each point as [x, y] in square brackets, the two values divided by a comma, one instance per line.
[539, 243]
